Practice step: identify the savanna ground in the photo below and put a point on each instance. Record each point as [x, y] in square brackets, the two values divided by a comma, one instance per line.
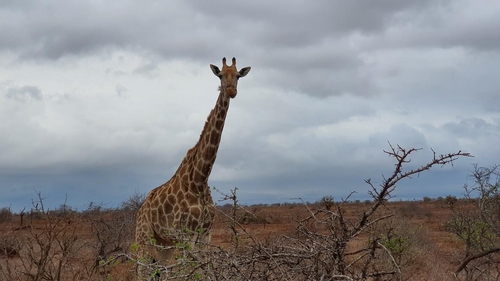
[428, 250]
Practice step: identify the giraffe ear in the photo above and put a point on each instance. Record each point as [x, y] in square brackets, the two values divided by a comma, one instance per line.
[215, 70]
[244, 71]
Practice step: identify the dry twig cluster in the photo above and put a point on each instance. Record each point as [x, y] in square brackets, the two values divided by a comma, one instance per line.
[327, 244]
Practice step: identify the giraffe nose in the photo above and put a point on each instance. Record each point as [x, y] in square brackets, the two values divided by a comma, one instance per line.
[231, 91]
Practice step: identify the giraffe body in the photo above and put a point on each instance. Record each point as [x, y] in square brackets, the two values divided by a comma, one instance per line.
[184, 203]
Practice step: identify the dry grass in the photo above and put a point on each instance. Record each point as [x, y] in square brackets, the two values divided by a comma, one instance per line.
[433, 254]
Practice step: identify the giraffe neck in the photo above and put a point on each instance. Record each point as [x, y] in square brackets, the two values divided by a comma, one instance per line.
[197, 165]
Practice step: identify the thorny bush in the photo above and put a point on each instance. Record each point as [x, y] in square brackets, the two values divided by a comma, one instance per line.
[326, 245]
[476, 222]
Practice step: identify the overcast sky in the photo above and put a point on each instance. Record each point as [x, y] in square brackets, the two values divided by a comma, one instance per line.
[102, 99]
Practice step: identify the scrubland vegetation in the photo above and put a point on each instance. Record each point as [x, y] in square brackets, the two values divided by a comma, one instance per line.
[433, 239]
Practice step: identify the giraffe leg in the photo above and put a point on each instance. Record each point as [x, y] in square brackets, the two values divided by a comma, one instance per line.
[144, 258]
[144, 250]
[159, 254]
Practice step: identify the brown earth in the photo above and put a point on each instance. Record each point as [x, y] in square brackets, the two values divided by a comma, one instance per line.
[435, 255]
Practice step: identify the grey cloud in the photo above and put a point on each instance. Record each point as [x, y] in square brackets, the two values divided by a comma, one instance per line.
[196, 31]
[107, 185]
[24, 93]
[303, 46]
[301, 23]
[121, 91]
[59, 28]
[320, 83]
[443, 24]
[473, 128]
[328, 69]
[149, 69]
[403, 135]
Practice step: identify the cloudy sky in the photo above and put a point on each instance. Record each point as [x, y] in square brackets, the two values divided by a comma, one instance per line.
[102, 99]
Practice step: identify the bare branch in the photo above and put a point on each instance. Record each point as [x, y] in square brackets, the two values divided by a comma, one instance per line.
[474, 257]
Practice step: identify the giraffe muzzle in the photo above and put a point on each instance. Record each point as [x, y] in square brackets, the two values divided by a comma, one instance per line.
[231, 91]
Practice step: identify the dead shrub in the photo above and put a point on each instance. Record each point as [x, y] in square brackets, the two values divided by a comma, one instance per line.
[5, 215]
[252, 218]
[47, 251]
[476, 222]
[9, 246]
[321, 248]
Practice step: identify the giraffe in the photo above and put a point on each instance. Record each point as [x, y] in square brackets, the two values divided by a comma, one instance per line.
[184, 202]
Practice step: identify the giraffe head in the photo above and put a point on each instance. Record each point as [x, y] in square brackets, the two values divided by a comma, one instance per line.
[229, 76]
